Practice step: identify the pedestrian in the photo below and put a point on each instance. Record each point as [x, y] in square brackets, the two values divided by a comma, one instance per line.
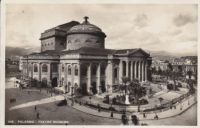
[156, 117]
[144, 115]
[38, 115]
[65, 102]
[35, 108]
[181, 107]
[99, 108]
[134, 120]
[111, 114]
[124, 119]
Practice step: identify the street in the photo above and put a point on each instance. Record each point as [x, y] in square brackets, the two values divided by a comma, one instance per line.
[50, 111]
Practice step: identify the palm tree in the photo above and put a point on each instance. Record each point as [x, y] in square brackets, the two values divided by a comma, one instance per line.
[137, 91]
[125, 80]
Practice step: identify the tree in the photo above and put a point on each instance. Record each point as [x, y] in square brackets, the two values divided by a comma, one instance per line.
[159, 71]
[136, 91]
[153, 70]
[125, 80]
[169, 67]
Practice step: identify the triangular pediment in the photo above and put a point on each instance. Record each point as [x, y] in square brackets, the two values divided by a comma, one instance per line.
[139, 53]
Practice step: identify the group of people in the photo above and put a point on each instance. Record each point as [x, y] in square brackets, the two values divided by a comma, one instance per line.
[125, 119]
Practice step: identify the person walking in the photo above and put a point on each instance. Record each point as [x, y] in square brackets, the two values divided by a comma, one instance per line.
[111, 114]
[156, 117]
[124, 119]
[38, 115]
[99, 108]
[134, 120]
[35, 108]
[144, 115]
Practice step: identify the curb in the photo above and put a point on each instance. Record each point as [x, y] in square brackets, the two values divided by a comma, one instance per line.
[139, 119]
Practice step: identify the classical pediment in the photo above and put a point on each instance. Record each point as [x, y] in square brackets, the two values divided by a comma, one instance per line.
[139, 53]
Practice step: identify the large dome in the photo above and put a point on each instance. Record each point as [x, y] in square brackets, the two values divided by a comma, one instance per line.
[85, 35]
[87, 28]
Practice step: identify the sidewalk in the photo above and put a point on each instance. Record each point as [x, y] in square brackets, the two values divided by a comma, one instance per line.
[181, 107]
[38, 102]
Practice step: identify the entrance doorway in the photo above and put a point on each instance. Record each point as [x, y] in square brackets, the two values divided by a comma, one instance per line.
[44, 82]
[84, 89]
[54, 82]
[103, 86]
[94, 88]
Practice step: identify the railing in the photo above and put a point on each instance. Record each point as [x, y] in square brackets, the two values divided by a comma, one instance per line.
[119, 109]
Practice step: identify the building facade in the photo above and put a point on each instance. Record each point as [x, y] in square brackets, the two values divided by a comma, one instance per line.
[159, 64]
[186, 64]
[81, 61]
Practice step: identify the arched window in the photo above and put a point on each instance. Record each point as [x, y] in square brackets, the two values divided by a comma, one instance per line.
[76, 71]
[35, 68]
[44, 68]
[69, 70]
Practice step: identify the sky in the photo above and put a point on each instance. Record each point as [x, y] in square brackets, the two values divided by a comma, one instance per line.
[169, 28]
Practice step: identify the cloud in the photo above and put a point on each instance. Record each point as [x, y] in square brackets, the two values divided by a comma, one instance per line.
[183, 19]
[141, 20]
[152, 27]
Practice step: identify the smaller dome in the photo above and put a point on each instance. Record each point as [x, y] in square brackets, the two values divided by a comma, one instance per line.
[86, 28]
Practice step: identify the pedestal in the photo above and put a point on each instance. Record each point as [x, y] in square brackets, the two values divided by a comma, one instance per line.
[127, 100]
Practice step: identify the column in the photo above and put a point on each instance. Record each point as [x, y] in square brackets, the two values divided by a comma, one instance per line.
[32, 70]
[120, 71]
[27, 69]
[65, 78]
[59, 74]
[127, 68]
[89, 78]
[135, 70]
[50, 72]
[139, 71]
[40, 71]
[109, 76]
[131, 70]
[72, 78]
[146, 66]
[79, 74]
[142, 72]
[98, 77]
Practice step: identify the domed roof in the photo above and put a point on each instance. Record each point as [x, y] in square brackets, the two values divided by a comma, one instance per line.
[87, 28]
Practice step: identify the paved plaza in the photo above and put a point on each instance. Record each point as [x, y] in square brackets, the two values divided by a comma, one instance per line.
[26, 100]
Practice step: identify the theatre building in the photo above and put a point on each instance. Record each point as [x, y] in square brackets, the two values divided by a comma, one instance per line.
[73, 56]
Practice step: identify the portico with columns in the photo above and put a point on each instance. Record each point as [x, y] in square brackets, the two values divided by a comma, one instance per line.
[84, 65]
